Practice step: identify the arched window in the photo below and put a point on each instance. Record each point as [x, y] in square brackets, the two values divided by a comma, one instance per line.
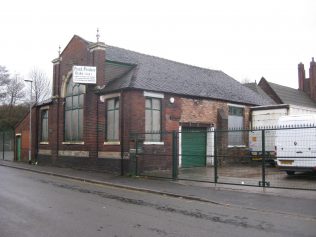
[74, 101]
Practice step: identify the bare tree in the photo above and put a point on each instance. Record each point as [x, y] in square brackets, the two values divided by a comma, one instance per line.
[15, 92]
[11, 94]
[4, 81]
[246, 80]
[41, 88]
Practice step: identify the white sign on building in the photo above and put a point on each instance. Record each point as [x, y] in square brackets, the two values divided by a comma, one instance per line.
[84, 74]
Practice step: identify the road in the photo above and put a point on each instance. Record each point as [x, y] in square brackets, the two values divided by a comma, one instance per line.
[33, 205]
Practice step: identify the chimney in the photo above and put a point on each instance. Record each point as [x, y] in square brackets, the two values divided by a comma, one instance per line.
[301, 76]
[312, 78]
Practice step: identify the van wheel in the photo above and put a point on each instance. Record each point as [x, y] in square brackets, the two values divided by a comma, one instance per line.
[290, 172]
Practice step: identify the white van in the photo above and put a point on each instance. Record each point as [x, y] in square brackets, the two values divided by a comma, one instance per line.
[296, 143]
[267, 117]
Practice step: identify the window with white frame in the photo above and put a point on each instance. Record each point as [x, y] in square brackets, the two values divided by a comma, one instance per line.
[235, 123]
[44, 125]
[74, 102]
[113, 119]
[153, 119]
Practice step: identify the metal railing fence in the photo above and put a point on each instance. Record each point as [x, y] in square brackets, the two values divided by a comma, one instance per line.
[283, 157]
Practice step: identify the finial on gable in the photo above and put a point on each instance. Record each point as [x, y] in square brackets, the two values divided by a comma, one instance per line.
[98, 35]
[97, 45]
[59, 51]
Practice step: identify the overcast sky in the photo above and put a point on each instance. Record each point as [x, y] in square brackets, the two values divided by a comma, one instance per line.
[246, 39]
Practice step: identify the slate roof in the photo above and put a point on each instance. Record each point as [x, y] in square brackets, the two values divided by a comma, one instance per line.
[254, 86]
[162, 75]
[293, 96]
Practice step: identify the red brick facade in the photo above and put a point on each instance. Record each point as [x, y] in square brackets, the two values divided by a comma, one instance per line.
[94, 150]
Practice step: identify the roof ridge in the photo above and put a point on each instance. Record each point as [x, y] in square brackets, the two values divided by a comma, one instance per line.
[165, 59]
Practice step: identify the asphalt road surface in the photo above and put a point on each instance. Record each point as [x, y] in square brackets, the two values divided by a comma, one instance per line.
[33, 205]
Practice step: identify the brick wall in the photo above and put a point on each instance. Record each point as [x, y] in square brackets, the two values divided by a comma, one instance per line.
[134, 122]
[93, 152]
[23, 128]
[201, 111]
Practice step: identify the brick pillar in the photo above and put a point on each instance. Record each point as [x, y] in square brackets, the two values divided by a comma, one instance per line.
[301, 76]
[94, 110]
[222, 135]
[54, 111]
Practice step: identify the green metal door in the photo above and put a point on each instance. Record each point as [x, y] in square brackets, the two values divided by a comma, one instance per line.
[193, 147]
[18, 148]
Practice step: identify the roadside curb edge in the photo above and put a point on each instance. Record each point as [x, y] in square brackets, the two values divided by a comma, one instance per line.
[193, 198]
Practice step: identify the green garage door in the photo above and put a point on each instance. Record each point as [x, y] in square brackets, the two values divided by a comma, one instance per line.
[193, 147]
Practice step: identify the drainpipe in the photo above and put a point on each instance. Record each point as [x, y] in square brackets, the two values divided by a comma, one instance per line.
[3, 145]
[122, 132]
[97, 127]
[58, 101]
[36, 132]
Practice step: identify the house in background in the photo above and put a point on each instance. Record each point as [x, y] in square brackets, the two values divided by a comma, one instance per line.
[283, 101]
[304, 96]
[90, 125]
[286, 100]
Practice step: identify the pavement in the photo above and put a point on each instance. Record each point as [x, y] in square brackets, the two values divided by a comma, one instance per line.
[283, 200]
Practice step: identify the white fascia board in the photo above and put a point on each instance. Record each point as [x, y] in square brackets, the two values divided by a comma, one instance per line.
[154, 94]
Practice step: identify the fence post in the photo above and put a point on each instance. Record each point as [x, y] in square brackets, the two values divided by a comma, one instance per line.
[3, 137]
[215, 157]
[263, 184]
[136, 157]
[174, 155]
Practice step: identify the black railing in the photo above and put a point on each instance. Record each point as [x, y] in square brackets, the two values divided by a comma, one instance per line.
[180, 155]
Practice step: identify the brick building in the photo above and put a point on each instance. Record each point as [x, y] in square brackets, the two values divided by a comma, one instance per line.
[91, 124]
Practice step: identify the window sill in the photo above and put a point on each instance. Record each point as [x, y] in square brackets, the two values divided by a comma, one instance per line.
[44, 143]
[154, 143]
[73, 143]
[238, 146]
[112, 143]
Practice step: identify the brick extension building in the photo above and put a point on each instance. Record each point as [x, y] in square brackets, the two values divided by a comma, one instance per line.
[90, 125]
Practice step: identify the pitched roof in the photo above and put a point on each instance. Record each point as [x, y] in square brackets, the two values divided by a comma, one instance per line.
[254, 86]
[158, 74]
[293, 96]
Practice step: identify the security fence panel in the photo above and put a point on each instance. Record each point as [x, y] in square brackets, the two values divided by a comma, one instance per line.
[234, 163]
[7, 145]
[155, 157]
[295, 158]
[270, 157]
